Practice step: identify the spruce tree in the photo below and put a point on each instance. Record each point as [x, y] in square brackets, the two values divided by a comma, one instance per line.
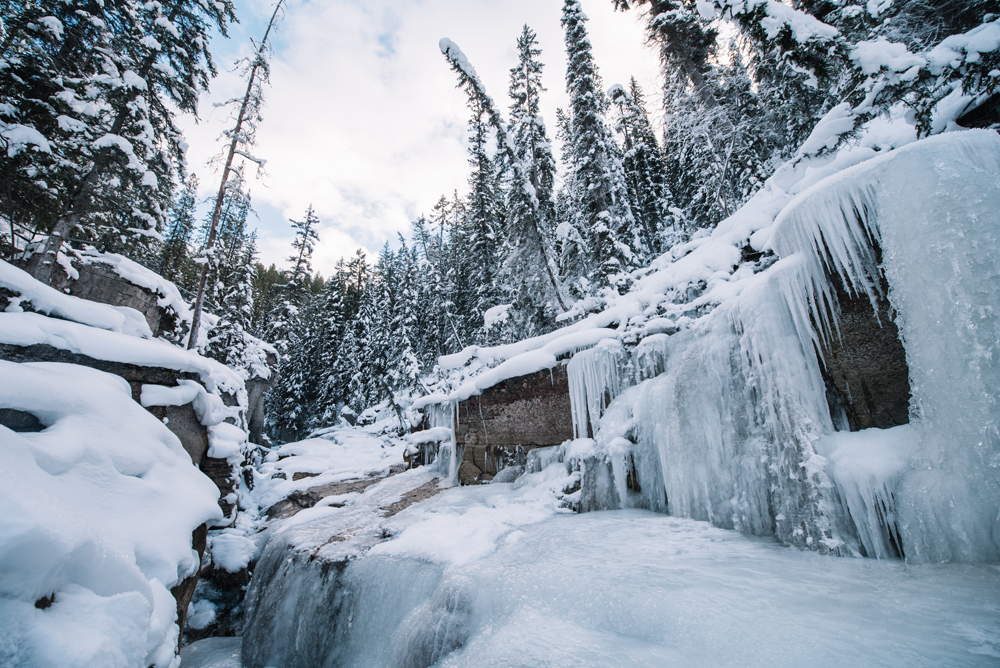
[142, 65]
[175, 259]
[645, 171]
[601, 209]
[530, 266]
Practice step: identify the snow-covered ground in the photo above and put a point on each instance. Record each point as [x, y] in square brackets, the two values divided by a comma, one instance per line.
[504, 575]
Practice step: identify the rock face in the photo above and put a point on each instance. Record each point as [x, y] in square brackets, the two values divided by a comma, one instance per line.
[100, 283]
[868, 381]
[181, 420]
[256, 387]
[497, 428]
[184, 591]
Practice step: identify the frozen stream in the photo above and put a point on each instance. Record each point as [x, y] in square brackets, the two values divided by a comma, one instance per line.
[485, 578]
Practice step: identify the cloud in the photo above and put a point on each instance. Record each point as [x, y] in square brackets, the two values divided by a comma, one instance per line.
[363, 119]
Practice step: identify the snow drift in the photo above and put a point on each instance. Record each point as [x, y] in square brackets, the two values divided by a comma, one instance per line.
[96, 516]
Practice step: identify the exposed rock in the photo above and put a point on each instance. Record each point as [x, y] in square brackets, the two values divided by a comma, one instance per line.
[184, 591]
[100, 283]
[469, 473]
[20, 421]
[422, 493]
[256, 387]
[868, 382]
[307, 498]
[497, 428]
[221, 473]
[184, 423]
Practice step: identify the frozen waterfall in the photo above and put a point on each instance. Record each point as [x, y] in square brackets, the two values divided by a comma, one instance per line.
[735, 427]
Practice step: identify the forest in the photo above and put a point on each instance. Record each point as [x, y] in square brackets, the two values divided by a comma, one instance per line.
[749, 314]
[90, 94]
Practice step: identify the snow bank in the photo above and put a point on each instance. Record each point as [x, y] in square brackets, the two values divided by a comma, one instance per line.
[26, 329]
[96, 516]
[45, 299]
[169, 297]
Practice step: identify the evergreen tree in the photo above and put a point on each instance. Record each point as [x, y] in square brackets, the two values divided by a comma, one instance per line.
[482, 225]
[295, 292]
[645, 170]
[136, 66]
[175, 259]
[227, 341]
[530, 268]
[599, 200]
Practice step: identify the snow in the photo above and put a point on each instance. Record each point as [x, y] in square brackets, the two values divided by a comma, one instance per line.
[97, 510]
[123, 145]
[231, 550]
[339, 454]
[955, 50]
[504, 575]
[53, 25]
[48, 300]
[434, 434]
[804, 27]
[208, 407]
[496, 315]
[18, 137]
[874, 55]
[828, 131]
[226, 441]
[26, 329]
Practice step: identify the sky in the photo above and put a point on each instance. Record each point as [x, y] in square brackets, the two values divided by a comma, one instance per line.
[363, 119]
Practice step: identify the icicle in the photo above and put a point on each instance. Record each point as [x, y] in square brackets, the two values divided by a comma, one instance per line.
[596, 377]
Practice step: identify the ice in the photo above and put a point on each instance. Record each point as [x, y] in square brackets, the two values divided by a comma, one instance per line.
[501, 575]
[596, 376]
[934, 208]
[866, 467]
[96, 516]
[212, 653]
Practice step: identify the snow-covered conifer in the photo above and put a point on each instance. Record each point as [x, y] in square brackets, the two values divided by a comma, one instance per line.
[600, 203]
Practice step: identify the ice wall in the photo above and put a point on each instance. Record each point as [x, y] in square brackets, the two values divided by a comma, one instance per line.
[722, 420]
[934, 208]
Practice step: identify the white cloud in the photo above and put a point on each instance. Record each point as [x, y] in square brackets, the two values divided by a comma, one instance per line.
[363, 119]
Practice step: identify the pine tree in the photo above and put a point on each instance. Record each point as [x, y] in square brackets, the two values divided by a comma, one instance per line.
[530, 266]
[137, 65]
[600, 197]
[175, 259]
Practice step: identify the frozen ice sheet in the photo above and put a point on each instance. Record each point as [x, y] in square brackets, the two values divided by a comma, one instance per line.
[634, 588]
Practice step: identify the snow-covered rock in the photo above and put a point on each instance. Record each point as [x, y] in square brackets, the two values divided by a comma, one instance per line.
[96, 519]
